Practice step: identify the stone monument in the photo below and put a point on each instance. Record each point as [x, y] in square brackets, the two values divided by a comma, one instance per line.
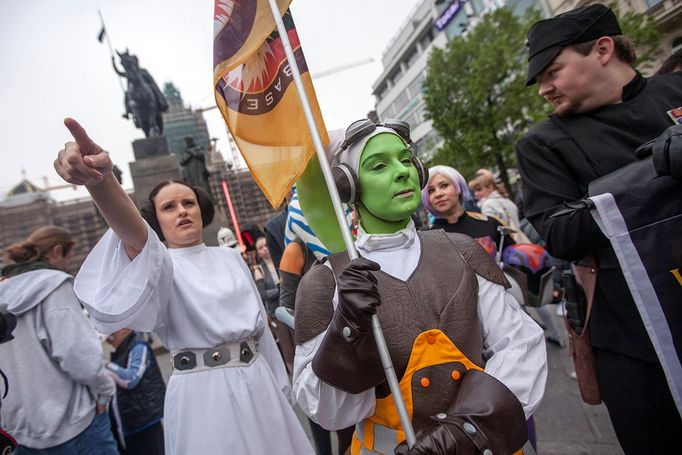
[193, 164]
[145, 102]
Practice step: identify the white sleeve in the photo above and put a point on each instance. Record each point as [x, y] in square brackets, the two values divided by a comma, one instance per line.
[330, 407]
[118, 292]
[266, 343]
[514, 345]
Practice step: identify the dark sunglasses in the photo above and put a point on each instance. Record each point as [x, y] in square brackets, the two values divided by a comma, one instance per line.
[361, 128]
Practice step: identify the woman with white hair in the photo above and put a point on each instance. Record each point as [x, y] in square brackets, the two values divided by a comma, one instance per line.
[445, 196]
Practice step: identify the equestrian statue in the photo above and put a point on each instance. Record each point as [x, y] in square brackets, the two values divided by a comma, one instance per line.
[143, 99]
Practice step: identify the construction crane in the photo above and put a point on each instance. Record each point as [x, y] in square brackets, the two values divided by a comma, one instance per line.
[341, 68]
[47, 187]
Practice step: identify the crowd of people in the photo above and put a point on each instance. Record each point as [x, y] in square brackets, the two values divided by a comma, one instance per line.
[455, 293]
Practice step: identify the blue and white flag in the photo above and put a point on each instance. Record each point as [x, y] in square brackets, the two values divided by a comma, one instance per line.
[297, 227]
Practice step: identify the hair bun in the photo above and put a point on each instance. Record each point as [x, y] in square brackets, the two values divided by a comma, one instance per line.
[23, 252]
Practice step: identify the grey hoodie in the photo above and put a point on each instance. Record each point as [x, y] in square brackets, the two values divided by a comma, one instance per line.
[54, 366]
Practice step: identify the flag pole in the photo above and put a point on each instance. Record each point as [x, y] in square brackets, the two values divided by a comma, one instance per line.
[233, 215]
[341, 218]
[111, 49]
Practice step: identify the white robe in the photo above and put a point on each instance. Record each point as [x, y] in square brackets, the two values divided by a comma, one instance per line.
[197, 298]
[513, 344]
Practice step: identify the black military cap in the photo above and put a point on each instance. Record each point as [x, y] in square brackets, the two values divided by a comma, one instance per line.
[548, 37]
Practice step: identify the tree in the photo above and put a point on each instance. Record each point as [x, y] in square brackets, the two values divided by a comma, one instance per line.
[475, 94]
[475, 90]
[642, 30]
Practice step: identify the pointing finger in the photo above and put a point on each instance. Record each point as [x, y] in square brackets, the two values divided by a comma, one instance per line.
[79, 134]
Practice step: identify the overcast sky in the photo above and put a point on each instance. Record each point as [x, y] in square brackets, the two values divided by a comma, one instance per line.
[53, 67]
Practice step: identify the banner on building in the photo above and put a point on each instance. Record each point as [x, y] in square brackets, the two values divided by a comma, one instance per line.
[256, 94]
[641, 214]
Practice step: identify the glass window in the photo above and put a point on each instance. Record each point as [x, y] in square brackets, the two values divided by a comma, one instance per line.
[397, 76]
[478, 6]
[415, 86]
[400, 102]
[652, 3]
[419, 114]
[413, 122]
[412, 57]
[426, 40]
[388, 113]
[383, 92]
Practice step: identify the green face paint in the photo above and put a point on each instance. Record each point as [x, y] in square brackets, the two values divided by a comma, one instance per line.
[389, 185]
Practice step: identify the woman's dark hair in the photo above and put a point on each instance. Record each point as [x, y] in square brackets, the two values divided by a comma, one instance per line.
[39, 243]
[148, 211]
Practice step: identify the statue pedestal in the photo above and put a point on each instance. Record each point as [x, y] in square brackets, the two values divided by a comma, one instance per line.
[153, 163]
[150, 147]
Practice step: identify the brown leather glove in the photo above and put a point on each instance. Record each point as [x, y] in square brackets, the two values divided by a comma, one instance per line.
[348, 358]
[485, 416]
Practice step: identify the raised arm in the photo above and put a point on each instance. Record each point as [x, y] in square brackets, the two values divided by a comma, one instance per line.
[82, 162]
[120, 73]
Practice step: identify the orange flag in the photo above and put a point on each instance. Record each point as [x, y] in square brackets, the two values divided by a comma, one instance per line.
[255, 91]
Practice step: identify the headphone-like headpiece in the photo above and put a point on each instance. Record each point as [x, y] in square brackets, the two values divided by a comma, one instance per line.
[345, 176]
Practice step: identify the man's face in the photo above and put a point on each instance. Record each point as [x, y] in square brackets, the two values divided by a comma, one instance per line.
[570, 82]
[389, 183]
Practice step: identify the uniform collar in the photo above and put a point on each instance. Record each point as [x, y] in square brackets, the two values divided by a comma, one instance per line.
[398, 240]
[632, 88]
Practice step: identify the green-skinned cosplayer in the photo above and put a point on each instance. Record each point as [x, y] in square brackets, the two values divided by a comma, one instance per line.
[472, 365]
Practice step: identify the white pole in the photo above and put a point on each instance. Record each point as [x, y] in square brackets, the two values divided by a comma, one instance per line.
[341, 218]
[111, 49]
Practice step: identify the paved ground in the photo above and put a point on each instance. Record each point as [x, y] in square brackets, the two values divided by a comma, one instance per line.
[565, 425]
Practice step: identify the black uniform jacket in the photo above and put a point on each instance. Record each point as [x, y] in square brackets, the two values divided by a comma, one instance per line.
[559, 157]
[478, 226]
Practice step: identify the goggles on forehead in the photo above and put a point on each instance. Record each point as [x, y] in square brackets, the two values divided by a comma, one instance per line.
[344, 173]
[361, 128]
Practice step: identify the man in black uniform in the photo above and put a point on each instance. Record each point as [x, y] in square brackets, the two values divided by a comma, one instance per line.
[604, 110]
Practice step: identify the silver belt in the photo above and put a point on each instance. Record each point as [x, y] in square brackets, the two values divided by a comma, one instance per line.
[237, 354]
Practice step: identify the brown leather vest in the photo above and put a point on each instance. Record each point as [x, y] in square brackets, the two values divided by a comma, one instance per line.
[441, 293]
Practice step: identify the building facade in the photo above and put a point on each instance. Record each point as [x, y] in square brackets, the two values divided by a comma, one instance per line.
[248, 201]
[432, 23]
[180, 121]
[27, 207]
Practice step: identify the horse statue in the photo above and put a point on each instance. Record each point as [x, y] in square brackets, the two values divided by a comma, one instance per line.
[143, 99]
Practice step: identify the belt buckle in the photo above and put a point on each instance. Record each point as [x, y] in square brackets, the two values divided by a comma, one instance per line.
[217, 356]
[245, 352]
[185, 360]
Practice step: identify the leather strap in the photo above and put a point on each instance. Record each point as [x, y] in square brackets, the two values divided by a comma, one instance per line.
[237, 354]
